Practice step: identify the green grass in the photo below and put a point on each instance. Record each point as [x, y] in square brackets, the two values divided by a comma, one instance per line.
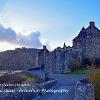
[79, 71]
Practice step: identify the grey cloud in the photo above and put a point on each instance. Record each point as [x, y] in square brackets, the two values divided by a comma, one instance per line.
[47, 43]
[9, 35]
[31, 40]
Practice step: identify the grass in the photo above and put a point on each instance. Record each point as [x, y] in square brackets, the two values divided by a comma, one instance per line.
[80, 71]
[94, 77]
[18, 78]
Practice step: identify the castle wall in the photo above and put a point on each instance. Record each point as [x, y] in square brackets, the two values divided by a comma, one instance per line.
[60, 63]
[51, 62]
[88, 41]
[85, 45]
[58, 60]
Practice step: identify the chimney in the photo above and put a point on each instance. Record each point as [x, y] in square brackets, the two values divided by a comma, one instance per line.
[44, 47]
[92, 24]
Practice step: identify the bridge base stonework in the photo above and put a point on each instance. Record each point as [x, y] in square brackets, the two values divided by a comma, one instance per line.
[84, 91]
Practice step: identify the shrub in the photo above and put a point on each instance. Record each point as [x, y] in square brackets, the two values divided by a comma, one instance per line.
[19, 78]
[94, 77]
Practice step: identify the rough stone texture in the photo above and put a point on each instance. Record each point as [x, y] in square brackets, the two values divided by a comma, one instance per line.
[88, 40]
[57, 61]
[84, 91]
[51, 62]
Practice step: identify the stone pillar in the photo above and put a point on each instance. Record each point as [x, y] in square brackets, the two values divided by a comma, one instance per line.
[37, 59]
[92, 24]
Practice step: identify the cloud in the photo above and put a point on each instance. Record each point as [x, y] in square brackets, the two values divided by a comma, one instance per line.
[7, 34]
[10, 36]
[47, 44]
[31, 40]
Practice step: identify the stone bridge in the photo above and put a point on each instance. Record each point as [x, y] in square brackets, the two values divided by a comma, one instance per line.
[37, 71]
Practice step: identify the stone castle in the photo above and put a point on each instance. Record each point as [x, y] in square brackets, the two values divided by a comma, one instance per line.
[85, 46]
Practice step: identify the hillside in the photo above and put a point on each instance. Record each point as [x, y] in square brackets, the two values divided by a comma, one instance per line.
[18, 78]
[20, 58]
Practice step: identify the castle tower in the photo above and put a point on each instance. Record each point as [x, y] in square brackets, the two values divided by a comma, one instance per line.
[92, 24]
[42, 56]
[64, 46]
[88, 41]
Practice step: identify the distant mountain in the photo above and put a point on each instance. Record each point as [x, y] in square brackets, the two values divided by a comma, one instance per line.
[18, 59]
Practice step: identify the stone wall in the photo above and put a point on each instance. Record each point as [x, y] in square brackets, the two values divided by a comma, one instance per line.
[88, 41]
[84, 91]
[50, 65]
[60, 57]
[57, 61]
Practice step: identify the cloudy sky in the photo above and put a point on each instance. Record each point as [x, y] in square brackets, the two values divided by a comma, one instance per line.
[33, 23]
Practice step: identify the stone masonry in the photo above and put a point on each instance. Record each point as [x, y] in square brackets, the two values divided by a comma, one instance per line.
[88, 41]
[57, 61]
[85, 45]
